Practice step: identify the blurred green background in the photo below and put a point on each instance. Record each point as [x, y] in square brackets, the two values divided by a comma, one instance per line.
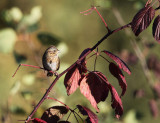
[28, 27]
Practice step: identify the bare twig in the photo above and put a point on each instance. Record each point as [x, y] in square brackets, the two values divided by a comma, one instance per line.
[27, 66]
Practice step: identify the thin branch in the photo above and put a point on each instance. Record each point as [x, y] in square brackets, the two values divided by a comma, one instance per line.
[102, 19]
[59, 102]
[105, 58]
[69, 115]
[95, 60]
[79, 116]
[75, 117]
[27, 66]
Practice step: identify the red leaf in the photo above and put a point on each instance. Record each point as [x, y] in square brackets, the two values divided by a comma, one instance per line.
[37, 120]
[71, 80]
[83, 68]
[153, 108]
[91, 116]
[142, 19]
[94, 87]
[156, 28]
[116, 102]
[120, 63]
[116, 72]
[156, 89]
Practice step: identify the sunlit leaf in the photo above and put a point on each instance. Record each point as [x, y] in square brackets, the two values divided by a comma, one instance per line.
[15, 88]
[28, 79]
[54, 114]
[7, 40]
[34, 16]
[131, 117]
[71, 80]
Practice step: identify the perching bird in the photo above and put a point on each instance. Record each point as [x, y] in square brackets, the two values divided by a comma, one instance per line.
[51, 61]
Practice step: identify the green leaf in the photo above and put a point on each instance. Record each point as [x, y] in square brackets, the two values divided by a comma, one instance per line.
[28, 79]
[17, 110]
[48, 39]
[131, 117]
[19, 58]
[15, 88]
[7, 40]
[26, 94]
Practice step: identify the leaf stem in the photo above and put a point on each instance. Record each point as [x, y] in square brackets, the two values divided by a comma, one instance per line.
[59, 102]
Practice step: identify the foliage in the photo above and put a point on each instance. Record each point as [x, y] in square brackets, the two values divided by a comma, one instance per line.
[94, 84]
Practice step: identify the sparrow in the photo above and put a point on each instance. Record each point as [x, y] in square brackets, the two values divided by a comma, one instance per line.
[51, 61]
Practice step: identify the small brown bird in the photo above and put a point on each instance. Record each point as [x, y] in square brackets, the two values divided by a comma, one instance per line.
[51, 61]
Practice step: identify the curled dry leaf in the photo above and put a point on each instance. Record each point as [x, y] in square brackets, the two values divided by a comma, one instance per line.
[116, 72]
[116, 102]
[92, 117]
[54, 114]
[37, 120]
[156, 28]
[120, 63]
[71, 80]
[142, 19]
[83, 67]
[94, 87]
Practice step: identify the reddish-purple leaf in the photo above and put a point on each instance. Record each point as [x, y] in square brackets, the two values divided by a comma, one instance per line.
[120, 63]
[71, 80]
[139, 93]
[116, 102]
[156, 28]
[154, 108]
[116, 72]
[83, 67]
[94, 87]
[156, 89]
[92, 117]
[54, 114]
[142, 19]
[37, 120]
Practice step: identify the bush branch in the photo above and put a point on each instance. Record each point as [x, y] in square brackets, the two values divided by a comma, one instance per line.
[77, 62]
